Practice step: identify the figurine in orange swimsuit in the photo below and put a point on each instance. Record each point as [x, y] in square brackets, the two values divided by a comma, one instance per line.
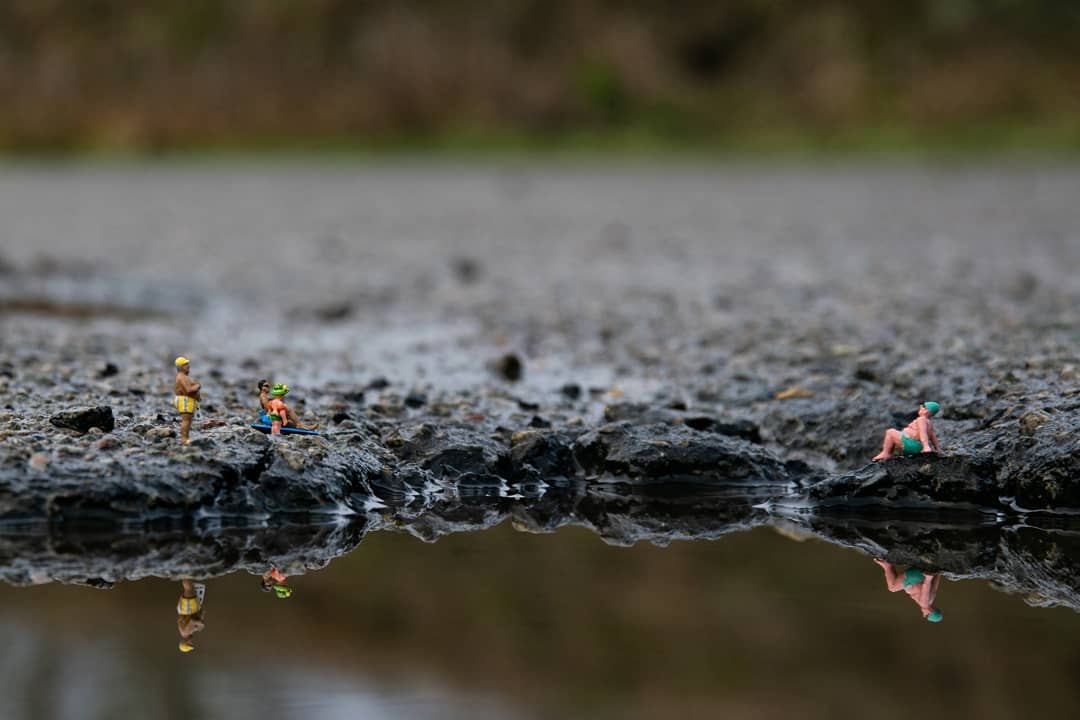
[276, 408]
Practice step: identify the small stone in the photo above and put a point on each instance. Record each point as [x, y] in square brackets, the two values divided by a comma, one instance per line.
[467, 270]
[108, 442]
[84, 418]
[108, 370]
[1031, 421]
[160, 433]
[39, 461]
[509, 366]
[571, 390]
[334, 311]
[94, 431]
[867, 373]
[379, 383]
[415, 400]
[795, 391]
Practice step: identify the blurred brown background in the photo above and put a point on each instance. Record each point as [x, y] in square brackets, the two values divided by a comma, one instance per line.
[164, 74]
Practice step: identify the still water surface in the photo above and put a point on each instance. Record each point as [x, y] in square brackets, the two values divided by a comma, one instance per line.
[504, 624]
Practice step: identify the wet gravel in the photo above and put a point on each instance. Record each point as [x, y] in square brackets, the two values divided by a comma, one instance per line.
[510, 325]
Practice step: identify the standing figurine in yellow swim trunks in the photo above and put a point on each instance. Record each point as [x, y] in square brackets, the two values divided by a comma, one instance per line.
[186, 399]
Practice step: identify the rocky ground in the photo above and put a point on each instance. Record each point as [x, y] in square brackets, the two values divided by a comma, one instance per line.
[754, 330]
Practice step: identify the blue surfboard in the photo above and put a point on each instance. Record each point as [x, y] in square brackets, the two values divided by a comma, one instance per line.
[264, 426]
[286, 430]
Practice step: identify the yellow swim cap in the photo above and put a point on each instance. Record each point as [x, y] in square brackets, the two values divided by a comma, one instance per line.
[182, 361]
[186, 647]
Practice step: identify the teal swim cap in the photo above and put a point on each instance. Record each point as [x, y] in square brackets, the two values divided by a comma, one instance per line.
[935, 616]
[933, 407]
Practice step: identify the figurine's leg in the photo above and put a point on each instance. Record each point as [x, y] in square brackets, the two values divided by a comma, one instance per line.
[892, 442]
[185, 426]
[275, 427]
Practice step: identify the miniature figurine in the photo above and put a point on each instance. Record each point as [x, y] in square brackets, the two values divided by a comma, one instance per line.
[187, 397]
[189, 612]
[920, 587]
[917, 437]
[274, 580]
[264, 400]
[290, 423]
[276, 408]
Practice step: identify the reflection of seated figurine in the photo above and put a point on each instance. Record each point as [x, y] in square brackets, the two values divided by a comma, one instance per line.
[917, 437]
[189, 611]
[920, 587]
[273, 579]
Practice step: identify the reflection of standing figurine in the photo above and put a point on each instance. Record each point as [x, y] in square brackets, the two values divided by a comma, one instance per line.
[186, 399]
[274, 580]
[189, 612]
[276, 408]
[920, 587]
[917, 437]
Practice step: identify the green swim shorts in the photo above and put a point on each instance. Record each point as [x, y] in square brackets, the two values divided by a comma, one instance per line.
[913, 577]
[911, 447]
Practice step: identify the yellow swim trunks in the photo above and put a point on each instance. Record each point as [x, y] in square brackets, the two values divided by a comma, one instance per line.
[185, 404]
[188, 606]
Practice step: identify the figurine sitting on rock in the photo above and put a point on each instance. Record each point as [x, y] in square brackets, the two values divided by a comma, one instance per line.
[917, 437]
[275, 416]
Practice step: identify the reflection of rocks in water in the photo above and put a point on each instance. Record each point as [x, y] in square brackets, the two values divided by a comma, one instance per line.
[1040, 562]
[90, 556]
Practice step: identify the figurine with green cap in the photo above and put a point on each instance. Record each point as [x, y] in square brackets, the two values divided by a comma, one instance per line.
[917, 437]
[922, 587]
[277, 410]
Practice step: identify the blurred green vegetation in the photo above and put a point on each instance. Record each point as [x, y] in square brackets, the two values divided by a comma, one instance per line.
[731, 75]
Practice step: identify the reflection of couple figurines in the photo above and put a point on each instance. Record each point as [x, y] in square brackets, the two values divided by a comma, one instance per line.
[921, 587]
[274, 412]
[274, 580]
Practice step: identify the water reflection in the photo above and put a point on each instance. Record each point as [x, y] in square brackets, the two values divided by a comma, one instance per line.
[274, 581]
[506, 624]
[920, 586]
[190, 613]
